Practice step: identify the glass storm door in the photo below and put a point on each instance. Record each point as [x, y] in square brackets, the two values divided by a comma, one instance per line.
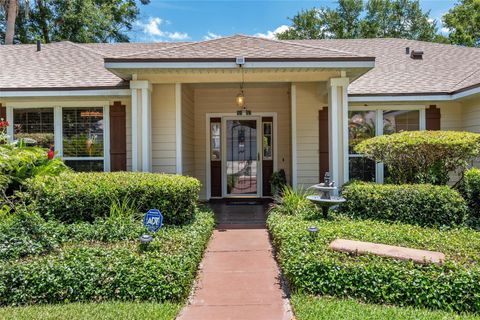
[242, 157]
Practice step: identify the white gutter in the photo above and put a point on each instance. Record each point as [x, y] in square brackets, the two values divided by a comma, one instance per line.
[429, 97]
[65, 93]
[233, 65]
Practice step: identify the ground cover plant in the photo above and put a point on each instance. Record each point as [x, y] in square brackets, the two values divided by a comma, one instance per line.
[419, 204]
[74, 197]
[99, 269]
[311, 308]
[309, 266]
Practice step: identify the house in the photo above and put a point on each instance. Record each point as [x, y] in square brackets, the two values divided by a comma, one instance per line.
[231, 111]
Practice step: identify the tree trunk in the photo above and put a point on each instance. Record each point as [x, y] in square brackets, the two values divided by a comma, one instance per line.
[11, 16]
[42, 12]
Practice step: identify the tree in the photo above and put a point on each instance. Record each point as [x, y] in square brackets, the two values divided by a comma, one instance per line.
[463, 22]
[9, 10]
[352, 19]
[77, 21]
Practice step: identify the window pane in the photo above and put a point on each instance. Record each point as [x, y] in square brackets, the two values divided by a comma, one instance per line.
[267, 141]
[215, 142]
[361, 126]
[361, 168]
[34, 125]
[83, 132]
[400, 120]
[85, 165]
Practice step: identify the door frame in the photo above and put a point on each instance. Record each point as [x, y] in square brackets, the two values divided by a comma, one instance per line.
[259, 156]
[208, 116]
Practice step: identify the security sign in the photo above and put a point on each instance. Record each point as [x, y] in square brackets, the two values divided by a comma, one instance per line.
[153, 220]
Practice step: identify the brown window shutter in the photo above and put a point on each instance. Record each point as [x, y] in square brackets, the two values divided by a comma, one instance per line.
[323, 142]
[3, 112]
[118, 137]
[432, 117]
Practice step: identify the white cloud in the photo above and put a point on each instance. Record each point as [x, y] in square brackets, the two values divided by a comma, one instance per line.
[272, 34]
[445, 30]
[211, 36]
[152, 29]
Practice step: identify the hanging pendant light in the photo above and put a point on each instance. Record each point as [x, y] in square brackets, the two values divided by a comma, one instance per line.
[240, 100]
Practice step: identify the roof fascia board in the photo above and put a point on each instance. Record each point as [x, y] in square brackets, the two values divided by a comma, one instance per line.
[399, 98]
[466, 93]
[233, 65]
[64, 93]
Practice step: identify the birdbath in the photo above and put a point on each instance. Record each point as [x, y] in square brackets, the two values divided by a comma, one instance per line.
[324, 199]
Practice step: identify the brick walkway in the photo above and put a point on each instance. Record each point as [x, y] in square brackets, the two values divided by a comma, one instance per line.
[239, 279]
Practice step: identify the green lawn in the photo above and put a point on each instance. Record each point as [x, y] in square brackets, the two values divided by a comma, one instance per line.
[97, 311]
[316, 308]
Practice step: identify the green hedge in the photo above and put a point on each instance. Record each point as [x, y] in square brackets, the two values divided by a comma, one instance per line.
[420, 204]
[118, 271]
[471, 193]
[311, 267]
[86, 196]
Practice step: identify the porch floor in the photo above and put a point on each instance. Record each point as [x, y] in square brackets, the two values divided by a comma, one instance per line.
[240, 213]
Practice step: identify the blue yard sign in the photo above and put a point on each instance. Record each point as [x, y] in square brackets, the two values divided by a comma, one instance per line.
[153, 220]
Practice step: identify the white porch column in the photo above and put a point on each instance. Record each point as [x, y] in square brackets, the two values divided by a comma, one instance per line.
[178, 129]
[141, 126]
[338, 129]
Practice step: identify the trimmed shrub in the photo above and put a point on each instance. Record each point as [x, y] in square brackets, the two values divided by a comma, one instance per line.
[422, 156]
[471, 192]
[120, 271]
[309, 266]
[85, 196]
[420, 204]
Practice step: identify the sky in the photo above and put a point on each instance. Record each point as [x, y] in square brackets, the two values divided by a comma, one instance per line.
[202, 20]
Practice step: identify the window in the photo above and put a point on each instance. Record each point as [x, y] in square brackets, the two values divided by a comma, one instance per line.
[364, 124]
[35, 126]
[215, 141]
[83, 138]
[267, 141]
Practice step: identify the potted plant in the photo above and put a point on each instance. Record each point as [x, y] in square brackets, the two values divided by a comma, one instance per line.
[278, 181]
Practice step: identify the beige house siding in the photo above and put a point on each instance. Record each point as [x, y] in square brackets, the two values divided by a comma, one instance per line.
[212, 99]
[450, 115]
[471, 115]
[163, 128]
[311, 97]
[188, 134]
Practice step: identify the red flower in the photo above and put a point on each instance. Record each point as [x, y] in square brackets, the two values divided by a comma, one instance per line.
[3, 124]
[50, 154]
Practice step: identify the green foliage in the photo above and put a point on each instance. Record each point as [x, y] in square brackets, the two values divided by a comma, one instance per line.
[18, 163]
[422, 156]
[75, 20]
[278, 181]
[463, 22]
[99, 311]
[292, 202]
[118, 271]
[308, 307]
[25, 233]
[353, 19]
[86, 196]
[311, 267]
[470, 190]
[420, 204]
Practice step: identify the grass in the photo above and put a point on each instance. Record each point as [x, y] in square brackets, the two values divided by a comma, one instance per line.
[313, 308]
[97, 311]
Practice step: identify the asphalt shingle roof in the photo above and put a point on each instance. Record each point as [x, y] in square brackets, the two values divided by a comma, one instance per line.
[443, 69]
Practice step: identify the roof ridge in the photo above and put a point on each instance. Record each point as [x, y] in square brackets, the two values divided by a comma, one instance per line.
[183, 44]
[318, 47]
[78, 45]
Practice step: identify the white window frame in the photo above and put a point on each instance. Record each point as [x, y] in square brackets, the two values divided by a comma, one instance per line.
[379, 167]
[58, 125]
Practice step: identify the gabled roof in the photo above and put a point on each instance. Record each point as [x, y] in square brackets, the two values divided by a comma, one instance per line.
[252, 48]
[444, 69]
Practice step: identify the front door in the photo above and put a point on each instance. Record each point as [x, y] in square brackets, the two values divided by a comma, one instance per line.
[241, 157]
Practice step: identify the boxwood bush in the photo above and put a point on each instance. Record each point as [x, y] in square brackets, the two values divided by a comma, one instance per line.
[471, 192]
[421, 204]
[116, 271]
[85, 196]
[309, 266]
